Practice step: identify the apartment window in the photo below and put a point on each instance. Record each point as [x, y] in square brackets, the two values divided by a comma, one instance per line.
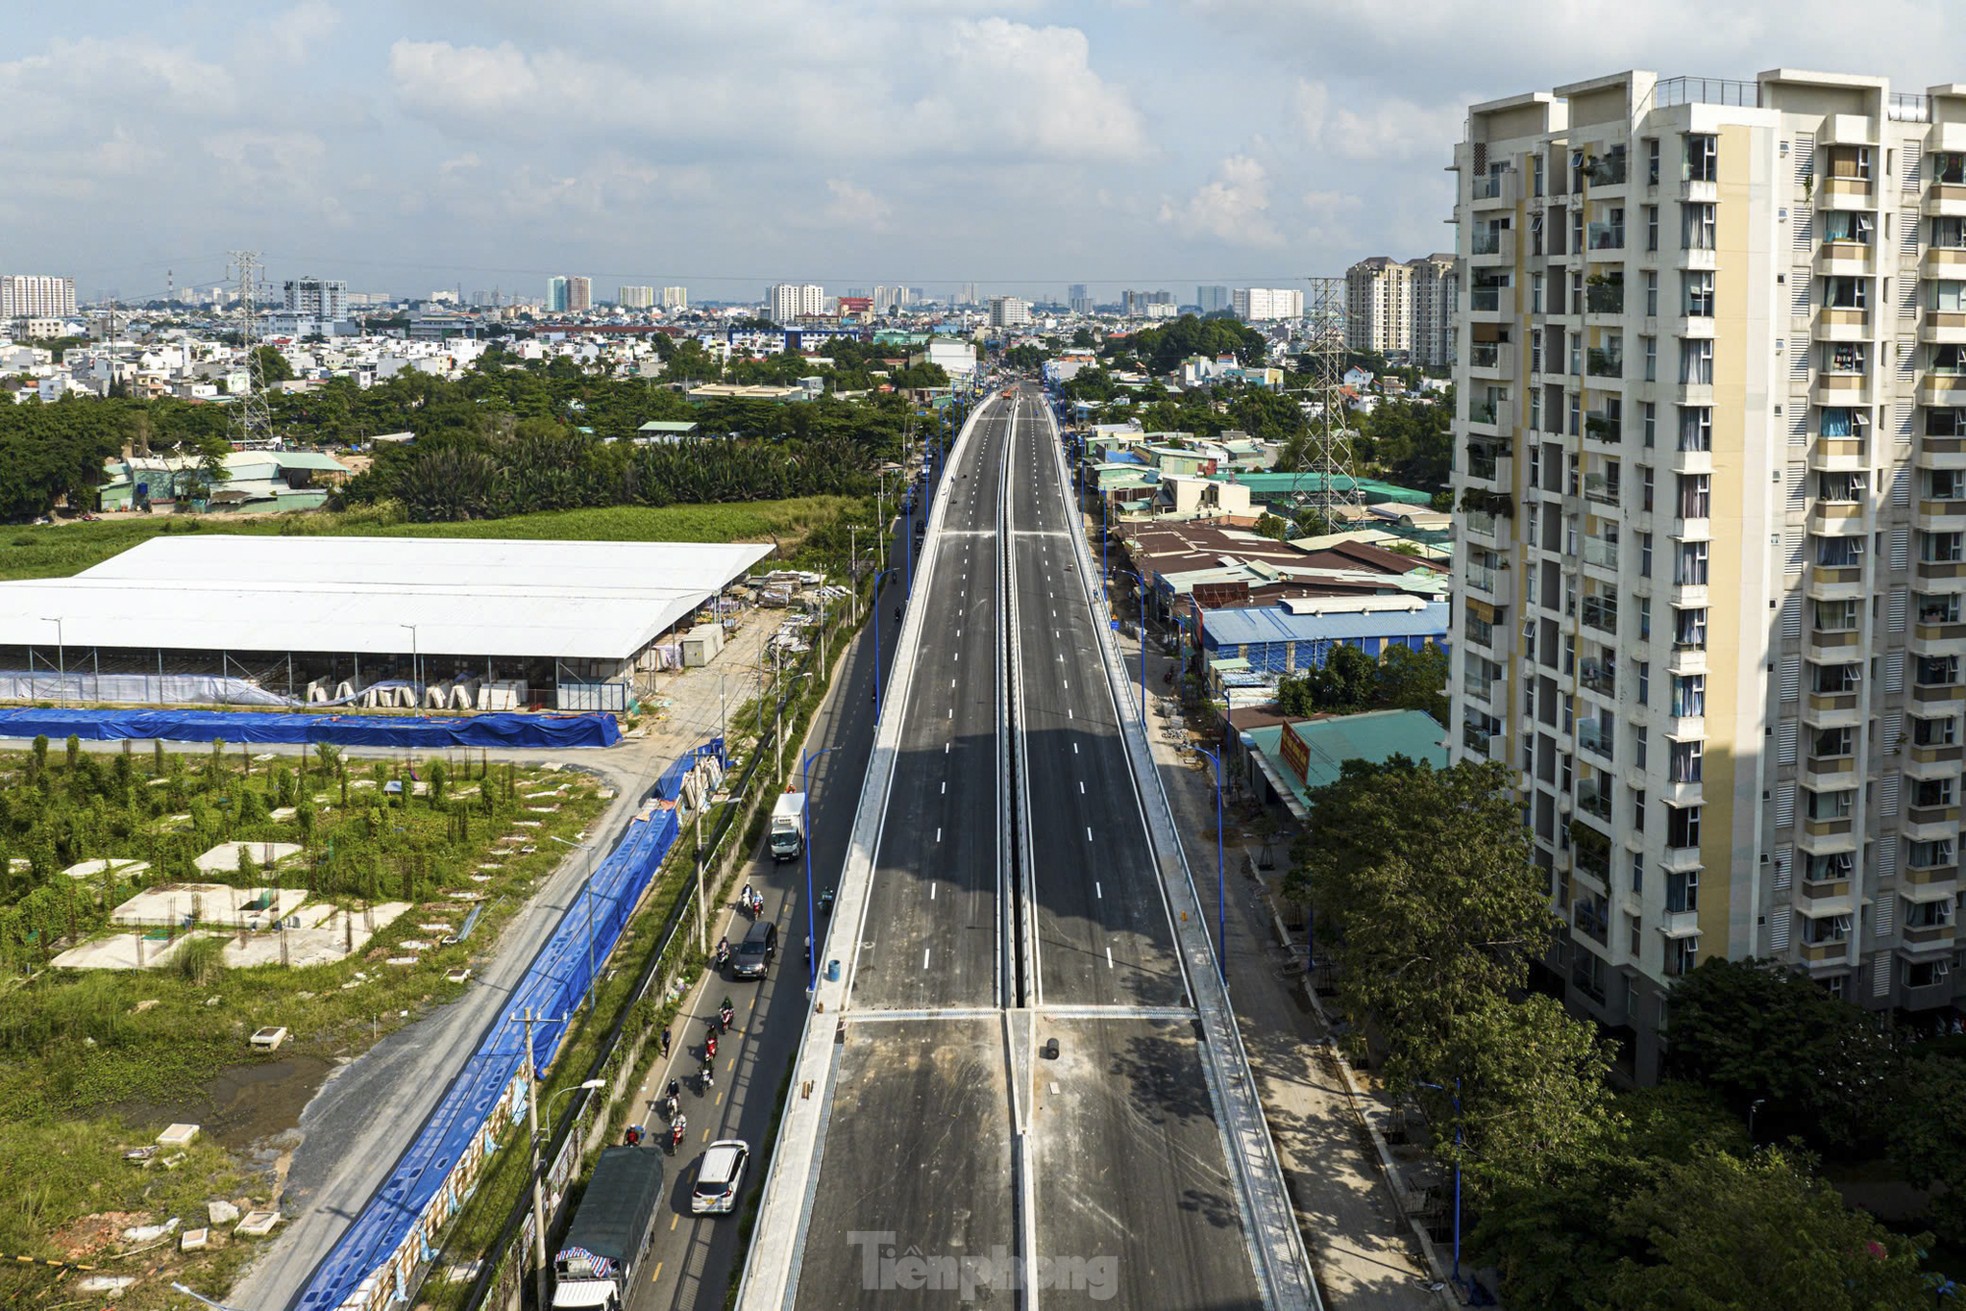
[1696, 226]
[1681, 826]
[1689, 628]
[1535, 293]
[1645, 489]
[1651, 227]
[1846, 293]
[1840, 488]
[1850, 162]
[1685, 760]
[1949, 233]
[1932, 792]
[1651, 161]
[1837, 616]
[1696, 427]
[1829, 866]
[1937, 609]
[1839, 552]
[1535, 175]
[1689, 696]
[1935, 670]
[1690, 565]
[1645, 555]
[1949, 168]
[1949, 359]
[1644, 618]
[1638, 751]
[1935, 854]
[1696, 293]
[1696, 361]
[1928, 914]
[1682, 957]
[1648, 413]
[1836, 680]
[1683, 890]
[1695, 496]
[1845, 357]
[1826, 929]
[1935, 732]
[1941, 548]
[1702, 157]
[1829, 743]
[1638, 810]
[1840, 421]
[1651, 293]
[1831, 805]
[1949, 295]
[1650, 347]
[1945, 422]
[1847, 225]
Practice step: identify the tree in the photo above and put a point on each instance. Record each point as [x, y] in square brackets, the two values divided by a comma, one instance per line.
[1927, 1137]
[1757, 1233]
[1753, 1030]
[1424, 876]
[273, 366]
[1413, 680]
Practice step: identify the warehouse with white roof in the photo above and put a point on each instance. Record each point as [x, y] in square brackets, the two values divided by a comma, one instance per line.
[453, 623]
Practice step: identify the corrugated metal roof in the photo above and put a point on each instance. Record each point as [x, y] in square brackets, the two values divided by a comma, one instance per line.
[501, 598]
[1253, 625]
[1375, 736]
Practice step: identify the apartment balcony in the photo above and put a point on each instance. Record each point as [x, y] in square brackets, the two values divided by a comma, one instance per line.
[1833, 952]
[1942, 453]
[1692, 393]
[1836, 519]
[1602, 490]
[1603, 427]
[1683, 461]
[1832, 709]
[1940, 516]
[1496, 586]
[1842, 388]
[1942, 388]
[1846, 193]
[1931, 823]
[1938, 639]
[1598, 738]
[1843, 323]
[1605, 240]
[1595, 801]
[1943, 327]
[1497, 473]
[1816, 898]
[1604, 296]
[1604, 363]
[1926, 939]
[1945, 200]
[1696, 259]
[1947, 263]
[1489, 417]
[1601, 613]
[1845, 259]
[1939, 571]
[1680, 924]
[1929, 876]
[1825, 582]
[1687, 595]
[1601, 553]
[1487, 247]
[1839, 455]
[1487, 526]
[1492, 359]
[1492, 303]
[1495, 191]
[1686, 660]
[1831, 773]
[1604, 171]
[1600, 680]
[1941, 756]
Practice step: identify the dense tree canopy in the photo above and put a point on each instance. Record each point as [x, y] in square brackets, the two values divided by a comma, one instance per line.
[49, 453]
[1161, 350]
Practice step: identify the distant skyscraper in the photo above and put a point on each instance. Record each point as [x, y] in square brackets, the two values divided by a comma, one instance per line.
[635, 298]
[1379, 306]
[1009, 312]
[580, 294]
[1212, 299]
[1076, 292]
[556, 295]
[36, 296]
[1434, 288]
[675, 298]
[786, 301]
[1261, 304]
[317, 298]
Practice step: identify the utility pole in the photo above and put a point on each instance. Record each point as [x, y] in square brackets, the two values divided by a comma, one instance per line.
[538, 1181]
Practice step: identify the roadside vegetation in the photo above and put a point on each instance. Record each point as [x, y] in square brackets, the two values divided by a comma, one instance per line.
[93, 1063]
[1436, 920]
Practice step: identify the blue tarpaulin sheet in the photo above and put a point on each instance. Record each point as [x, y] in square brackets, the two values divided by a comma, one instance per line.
[670, 785]
[552, 988]
[552, 732]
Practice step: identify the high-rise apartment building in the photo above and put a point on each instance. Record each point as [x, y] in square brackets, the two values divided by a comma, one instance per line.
[1261, 304]
[1712, 479]
[1379, 306]
[786, 301]
[675, 298]
[580, 294]
[1009, 312]
[556, 295]
[1212, 299]
[1076, 293]
[1433, 284]
[36, 296]
[324, 299]
[635, 298]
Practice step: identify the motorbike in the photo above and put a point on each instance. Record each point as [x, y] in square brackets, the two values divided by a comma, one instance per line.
[725, 1016]
[710, 1048]
[676, 1134]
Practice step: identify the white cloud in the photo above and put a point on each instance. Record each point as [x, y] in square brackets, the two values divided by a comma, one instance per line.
[438, 78]
[291, 36]
[1381, 129]
[1234, 208]
[855, 206]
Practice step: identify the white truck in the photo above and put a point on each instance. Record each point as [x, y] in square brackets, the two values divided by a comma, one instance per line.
[788, 826]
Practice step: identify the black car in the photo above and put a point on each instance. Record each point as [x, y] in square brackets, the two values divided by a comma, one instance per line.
[752, 957]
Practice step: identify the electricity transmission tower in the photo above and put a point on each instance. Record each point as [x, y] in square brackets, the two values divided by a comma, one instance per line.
[254, 418]
[1331, 438]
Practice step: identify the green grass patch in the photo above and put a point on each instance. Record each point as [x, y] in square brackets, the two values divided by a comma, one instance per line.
[59, 550]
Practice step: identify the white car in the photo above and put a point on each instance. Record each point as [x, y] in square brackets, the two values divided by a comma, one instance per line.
[719, 1177]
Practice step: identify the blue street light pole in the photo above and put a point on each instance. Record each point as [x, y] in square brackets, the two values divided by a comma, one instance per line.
[1456, 1277]
[885, 573]
[812, 925]
[1221, 871]
[1105, 536]
[1141, 583]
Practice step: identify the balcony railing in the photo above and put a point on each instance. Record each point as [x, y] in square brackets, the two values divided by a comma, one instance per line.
[1604, 297]
[1601, 613]
[1485, 300]
[1601, 489]
[1594, 801]
[1490, 187]
[1600, 680]
[1482, 576]
[1488, 354]
[1605, 170]
[1593, 735]
[1705, 91]
[1475, 739]
[1485, 241]
[1481, 411]
[1601, 553]
[1605, 363]
[1604, 427]
[1606, 236]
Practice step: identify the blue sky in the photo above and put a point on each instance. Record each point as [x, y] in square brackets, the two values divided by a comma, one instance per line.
[1022, 146]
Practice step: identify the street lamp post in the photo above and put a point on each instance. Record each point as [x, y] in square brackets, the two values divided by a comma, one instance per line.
[778, 734]
[876, 604]
[1221, 872]
[1456, 1277]
[533, 1137]
[812, 924]
[588, 896]
[61, 659]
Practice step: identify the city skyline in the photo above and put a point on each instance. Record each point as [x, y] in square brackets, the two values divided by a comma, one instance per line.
[402, 151]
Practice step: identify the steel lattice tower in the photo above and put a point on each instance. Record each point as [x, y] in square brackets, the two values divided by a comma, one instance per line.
[255, 419]
[1331, 438]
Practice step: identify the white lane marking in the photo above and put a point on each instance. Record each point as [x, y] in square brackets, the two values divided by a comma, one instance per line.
[925, 951]
[945, 748]
[945, 787]
[1088, 832]
[952, 684]
[952, 712]
[1109, 959]
[1068, 682]
[938, 835]
[1097, 891]
[1081, 787]
[931, 892]
[1068, 712]
[1075, 748]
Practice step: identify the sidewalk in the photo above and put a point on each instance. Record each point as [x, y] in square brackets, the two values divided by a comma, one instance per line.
[1362, 1247]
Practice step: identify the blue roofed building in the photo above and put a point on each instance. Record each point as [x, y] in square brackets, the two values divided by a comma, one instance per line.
[1298, 633]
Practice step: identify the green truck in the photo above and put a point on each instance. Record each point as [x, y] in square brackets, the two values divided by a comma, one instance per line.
[610, 1233]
